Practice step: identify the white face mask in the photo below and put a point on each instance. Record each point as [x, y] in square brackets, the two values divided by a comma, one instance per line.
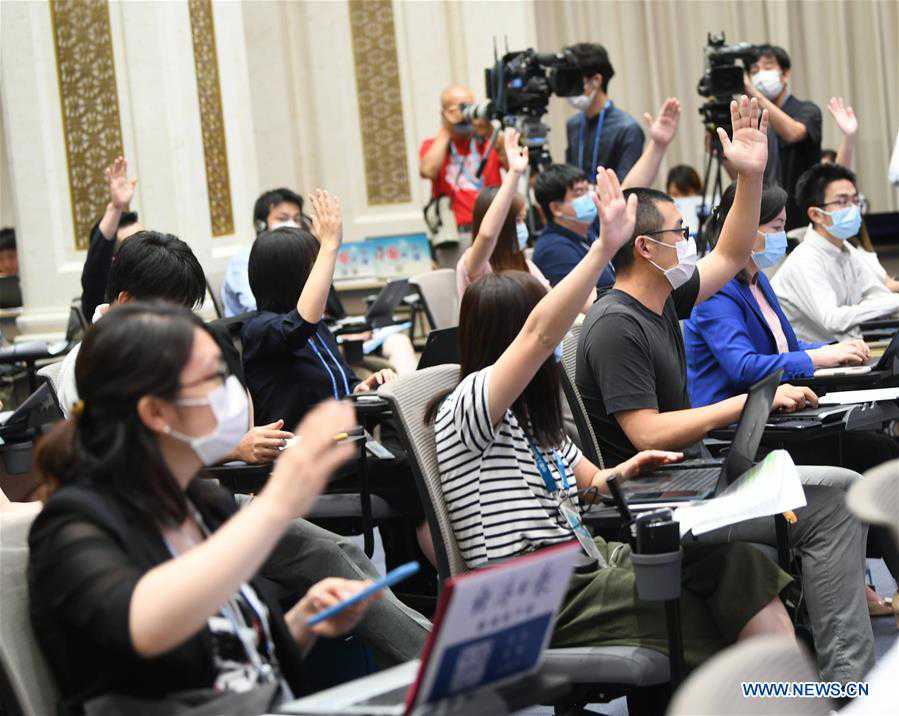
[683, 270]
[289, 223]
[232, 414]
[582, 102]
[769, 83]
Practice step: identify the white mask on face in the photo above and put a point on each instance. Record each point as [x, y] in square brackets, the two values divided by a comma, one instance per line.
[289, 223]
[232, 414]
[769, 83]
[683, 270]
[582, 102]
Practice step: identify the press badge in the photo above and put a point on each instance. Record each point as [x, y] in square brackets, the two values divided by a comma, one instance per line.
[573, 518]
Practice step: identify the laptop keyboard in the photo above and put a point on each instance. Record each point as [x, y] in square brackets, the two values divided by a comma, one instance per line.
[692, 479]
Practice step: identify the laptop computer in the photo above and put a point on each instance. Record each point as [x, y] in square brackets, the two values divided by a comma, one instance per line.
[38, 409]
[703, 478]
[441, 348]
[380, 313]
[492, 626]
[884, 363]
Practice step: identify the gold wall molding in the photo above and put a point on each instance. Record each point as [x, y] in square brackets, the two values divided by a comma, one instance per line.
[88, 97]
[212, 122]
[380, 102]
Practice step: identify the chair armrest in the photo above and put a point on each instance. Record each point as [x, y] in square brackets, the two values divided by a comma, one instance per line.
[25, 351]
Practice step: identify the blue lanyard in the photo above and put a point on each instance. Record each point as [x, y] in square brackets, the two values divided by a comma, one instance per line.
[582, 137]
[543, 468]
[472, 147]
[346, 385]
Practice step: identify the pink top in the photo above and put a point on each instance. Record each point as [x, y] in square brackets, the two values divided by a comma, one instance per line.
[780, 337]
[463, 280]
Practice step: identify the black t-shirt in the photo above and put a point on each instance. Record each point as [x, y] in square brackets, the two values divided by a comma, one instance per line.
[796, 158]
[630, 358]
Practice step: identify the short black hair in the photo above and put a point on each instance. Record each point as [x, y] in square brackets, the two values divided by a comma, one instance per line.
[685, 179]
[772, 202]
[154, 266]
[780, 55]
[552, 183]
[127, 219]
[829, 154]
[593, 59]
[8, 239]
[812, 185]
[280, 263]
[269, 199]
[649, 219]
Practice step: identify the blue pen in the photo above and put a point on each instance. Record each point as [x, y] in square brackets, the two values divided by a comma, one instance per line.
[392, 577]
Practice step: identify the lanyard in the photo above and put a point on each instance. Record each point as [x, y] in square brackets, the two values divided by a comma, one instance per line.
[543, 468]
[582, 137]
[473, 149]
[346, 385]
[334, 389]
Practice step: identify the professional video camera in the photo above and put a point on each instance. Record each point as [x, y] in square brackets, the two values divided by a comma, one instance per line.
[723, 78]
[519, 87]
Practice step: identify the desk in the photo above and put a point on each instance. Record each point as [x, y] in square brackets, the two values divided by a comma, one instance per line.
[835, 383]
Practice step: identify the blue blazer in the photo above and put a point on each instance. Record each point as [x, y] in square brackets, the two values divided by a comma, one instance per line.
[730, 346]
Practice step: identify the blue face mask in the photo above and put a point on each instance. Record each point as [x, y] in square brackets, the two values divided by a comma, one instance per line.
[774, 251]
[521, 231]
[584, 208]
[846, 222]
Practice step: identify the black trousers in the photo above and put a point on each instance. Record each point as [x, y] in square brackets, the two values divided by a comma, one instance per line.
[862, 450]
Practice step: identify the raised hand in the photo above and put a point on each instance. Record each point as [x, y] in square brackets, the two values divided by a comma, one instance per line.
[616, 216]
[747, 152]
[516, 154]
[121, 189]
[327, 221]
[663, 128]
[843, 115]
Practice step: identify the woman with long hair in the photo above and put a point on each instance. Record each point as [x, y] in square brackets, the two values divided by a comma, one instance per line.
[143, 579]
[514, 482]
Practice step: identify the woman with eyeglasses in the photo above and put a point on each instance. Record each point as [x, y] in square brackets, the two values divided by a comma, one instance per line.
[142, 577]
[741, 335]
[513, 482]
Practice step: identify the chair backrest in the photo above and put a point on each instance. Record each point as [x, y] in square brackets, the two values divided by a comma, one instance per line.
[589, 444]
[27, 671]
[714, 688]
[410, 395]
[440, 296]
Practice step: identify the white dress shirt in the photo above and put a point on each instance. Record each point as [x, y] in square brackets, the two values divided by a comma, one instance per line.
[827, 291]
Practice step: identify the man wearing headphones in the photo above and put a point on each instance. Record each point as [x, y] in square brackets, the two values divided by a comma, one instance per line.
[275, 208]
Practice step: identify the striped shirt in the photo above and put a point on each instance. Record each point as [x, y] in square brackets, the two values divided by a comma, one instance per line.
[498, 504]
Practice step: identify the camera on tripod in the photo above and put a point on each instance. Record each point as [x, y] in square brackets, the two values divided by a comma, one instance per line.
[722, 80]
[519, 86]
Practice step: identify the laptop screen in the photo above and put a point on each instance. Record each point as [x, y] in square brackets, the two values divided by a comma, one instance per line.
[442, 348]
[381, 312]
[751, 427]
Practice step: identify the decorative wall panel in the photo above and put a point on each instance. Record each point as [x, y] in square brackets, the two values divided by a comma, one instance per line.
[380, 101]
[90, 106]
[212, 123]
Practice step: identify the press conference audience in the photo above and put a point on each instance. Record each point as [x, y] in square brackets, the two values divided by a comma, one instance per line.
[505, 417]
[600, 134]
[273, 209]
[826, 287]
[740, 335]
[142, 578]
[562, 194]
[107, 236]
[796, 123]
[631, 374]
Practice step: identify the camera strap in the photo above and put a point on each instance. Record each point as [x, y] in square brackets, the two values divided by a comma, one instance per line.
[591, 170]
[566, 507]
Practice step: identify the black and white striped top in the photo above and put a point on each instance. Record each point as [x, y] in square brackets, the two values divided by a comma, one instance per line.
[497, 501]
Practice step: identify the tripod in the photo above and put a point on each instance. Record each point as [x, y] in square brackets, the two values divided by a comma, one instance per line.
[715, 163]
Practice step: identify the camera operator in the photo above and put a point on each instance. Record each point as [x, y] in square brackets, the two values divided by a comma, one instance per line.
[797, 123]
[601, 134]
[451, 159]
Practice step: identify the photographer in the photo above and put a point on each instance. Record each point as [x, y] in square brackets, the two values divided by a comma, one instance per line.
[451, 159]
[797, 123]
[601, 134]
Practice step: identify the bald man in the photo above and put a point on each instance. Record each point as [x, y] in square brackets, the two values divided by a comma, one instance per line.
[451, 159]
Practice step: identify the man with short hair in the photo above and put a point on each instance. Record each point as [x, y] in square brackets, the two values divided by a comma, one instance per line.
[600, 134]
[631, 374]
[826, 286]
[273, 209]
[796, 122]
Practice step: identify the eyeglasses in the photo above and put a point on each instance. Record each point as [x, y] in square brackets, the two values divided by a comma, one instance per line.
[684, 232]
[844, 200]
[221, 375]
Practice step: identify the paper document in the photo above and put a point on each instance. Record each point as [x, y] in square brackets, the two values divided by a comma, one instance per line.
[844, 397]
[769, 488]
